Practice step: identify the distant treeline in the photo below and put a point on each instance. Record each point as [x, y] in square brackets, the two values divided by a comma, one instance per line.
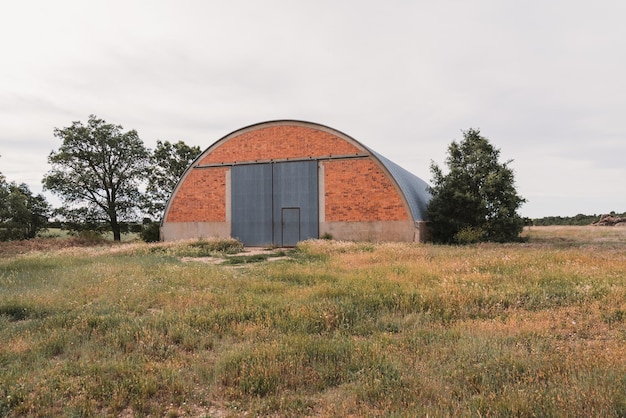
[579, 219]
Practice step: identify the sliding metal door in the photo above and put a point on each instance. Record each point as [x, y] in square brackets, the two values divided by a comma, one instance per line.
[275, 203]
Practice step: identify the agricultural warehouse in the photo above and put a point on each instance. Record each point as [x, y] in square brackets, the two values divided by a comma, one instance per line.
[280, 182]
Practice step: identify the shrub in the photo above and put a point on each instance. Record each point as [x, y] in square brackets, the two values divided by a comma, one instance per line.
[151, 232]
[469, 235]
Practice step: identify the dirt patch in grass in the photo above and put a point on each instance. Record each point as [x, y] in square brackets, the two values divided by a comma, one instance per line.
[249, 255]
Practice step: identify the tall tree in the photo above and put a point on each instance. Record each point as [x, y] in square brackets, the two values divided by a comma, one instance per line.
[97, 171]
[168, 163]
[476, 200]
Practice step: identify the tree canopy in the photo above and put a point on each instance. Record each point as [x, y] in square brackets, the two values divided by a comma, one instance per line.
[168, 163]
[476, 199]
[22, 214]
[97, 171]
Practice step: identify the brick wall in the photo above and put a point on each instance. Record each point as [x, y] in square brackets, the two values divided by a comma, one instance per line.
[280, 142]
[357, 190]
[201, 198]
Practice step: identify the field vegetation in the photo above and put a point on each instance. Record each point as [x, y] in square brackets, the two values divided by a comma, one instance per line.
[335, 329]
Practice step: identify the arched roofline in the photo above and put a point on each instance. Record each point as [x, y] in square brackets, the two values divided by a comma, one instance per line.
[389, 168]
[280, 122]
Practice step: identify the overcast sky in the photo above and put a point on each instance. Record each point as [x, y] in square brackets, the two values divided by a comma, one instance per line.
[543, 80]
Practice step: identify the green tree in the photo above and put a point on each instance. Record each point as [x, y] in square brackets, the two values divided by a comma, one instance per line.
[97, 172]
[168, 163]
[5, 212]
[22, 214]
[476, 200]
[3, 192]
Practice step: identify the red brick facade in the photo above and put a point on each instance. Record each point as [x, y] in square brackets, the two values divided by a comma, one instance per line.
[357, 190]
[280, 142]
[201, 198]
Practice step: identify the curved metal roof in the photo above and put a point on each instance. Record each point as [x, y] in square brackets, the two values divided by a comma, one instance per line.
[414, 188]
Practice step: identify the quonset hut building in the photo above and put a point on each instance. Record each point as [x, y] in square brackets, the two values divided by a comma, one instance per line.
[280, 182]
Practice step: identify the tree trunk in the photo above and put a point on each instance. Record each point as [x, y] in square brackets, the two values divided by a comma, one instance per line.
[115, 226]
[117, 236]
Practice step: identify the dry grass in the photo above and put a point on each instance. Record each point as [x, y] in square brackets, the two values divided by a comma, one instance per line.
[12, 248]
[585, 235]
[338, 329]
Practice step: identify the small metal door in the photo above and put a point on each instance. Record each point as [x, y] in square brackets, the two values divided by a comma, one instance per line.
[290, 226]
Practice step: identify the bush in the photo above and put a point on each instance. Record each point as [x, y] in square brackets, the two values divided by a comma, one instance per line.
[206, 247]
[88, 235]
[469, 235]
[151, 232]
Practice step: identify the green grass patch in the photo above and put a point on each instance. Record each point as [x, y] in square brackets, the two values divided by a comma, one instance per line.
[246, 259]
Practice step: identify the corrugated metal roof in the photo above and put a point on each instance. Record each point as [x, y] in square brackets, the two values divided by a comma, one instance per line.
[415, 189]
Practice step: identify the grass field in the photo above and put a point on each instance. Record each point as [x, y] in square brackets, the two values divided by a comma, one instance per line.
[336, 329]
[62, 233]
